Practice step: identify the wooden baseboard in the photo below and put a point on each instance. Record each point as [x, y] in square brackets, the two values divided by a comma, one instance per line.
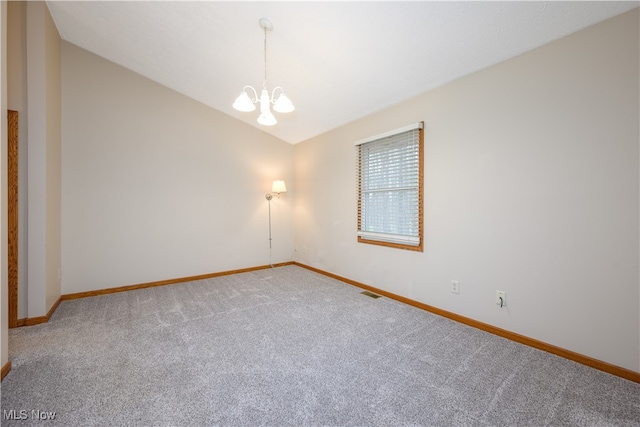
[30, 321]
[540, 345]
[53, 308]
[166, 282]
[5, 370]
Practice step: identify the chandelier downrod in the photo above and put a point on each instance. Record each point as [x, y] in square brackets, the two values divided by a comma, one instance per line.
[264, 83]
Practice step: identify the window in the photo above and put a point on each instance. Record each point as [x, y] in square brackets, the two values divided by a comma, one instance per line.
[390, 175]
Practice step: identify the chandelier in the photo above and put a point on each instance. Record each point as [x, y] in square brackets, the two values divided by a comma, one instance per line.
[244, 102]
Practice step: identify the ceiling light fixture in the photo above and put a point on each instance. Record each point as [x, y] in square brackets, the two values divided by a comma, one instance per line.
[246, 104]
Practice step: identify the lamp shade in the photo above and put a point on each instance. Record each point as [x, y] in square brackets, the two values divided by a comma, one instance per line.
[267, 119]
[244, 103]
[283, 104]
[278, 187]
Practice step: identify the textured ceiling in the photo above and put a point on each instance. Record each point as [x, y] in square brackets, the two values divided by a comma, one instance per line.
[337, 61]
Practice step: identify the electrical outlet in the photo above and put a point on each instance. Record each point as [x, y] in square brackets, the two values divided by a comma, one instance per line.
[501, 298]
[455, 287]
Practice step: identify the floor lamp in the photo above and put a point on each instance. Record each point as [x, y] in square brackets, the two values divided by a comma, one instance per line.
[277, 187]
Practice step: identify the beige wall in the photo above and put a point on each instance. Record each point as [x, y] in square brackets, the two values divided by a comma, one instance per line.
[44, 144]
[4, 320]
[531, 187]
[53, 161]
[17, 100]
[157, 186]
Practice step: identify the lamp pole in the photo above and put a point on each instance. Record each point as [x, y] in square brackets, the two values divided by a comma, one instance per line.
[269, 197]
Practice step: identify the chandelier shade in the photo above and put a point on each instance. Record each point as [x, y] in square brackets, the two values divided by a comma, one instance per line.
[267, 119]
[246, 103]
[283, 104]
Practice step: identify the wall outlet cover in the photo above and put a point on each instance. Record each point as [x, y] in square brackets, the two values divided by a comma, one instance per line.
[501, 298]
[455, 287]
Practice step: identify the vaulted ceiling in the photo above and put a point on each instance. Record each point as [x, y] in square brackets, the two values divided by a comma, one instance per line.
[337, 61]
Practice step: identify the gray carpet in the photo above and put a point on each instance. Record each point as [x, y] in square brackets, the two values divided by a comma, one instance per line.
[287, 346]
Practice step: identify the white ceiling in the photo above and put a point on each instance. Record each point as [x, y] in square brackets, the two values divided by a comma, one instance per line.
[337, 61]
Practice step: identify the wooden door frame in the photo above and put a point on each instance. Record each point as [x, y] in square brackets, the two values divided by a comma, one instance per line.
[12, 216]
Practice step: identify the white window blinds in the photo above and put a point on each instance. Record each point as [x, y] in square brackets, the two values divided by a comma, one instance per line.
[389, 186]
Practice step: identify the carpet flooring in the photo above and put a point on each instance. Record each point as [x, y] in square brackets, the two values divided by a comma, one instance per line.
[289, 347]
